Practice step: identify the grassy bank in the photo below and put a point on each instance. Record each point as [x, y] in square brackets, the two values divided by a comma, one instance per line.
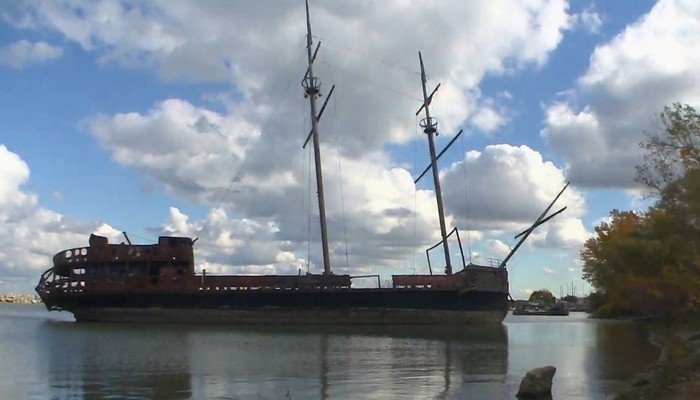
[677, 373]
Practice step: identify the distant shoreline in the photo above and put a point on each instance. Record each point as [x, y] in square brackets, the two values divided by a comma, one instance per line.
[13, 298]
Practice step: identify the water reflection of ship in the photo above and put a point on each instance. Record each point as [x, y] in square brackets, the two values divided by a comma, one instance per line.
[174, 362]
[109, 361]
[444, 363]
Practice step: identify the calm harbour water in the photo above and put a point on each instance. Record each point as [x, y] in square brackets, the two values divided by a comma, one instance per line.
[47, 356]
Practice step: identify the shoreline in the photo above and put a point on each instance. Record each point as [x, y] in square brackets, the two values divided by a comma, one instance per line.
[13, 298]
[676, 374]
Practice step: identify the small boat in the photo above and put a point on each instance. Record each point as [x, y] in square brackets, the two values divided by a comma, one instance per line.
[558, 309]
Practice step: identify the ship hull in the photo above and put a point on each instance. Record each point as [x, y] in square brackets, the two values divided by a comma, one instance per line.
[350, 306]
[285, 317]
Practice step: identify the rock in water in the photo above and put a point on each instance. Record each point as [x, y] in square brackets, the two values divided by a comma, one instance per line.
[537, 383]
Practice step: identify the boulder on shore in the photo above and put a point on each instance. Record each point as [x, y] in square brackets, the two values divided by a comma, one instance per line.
[537, 383]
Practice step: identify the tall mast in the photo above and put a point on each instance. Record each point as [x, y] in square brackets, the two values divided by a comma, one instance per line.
[312, 86]
[429, 126]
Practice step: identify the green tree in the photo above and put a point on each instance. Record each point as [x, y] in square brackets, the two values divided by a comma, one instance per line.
[542, 296]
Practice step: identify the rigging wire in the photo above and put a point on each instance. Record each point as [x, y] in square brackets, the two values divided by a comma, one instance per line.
[466, 201]
[446, 239]
[367, 81]
[366, 56]
[308, 223]
[305, 164]
[236, 171]
[340, 177]
[451, 150]
[415, 197]
[487, 204]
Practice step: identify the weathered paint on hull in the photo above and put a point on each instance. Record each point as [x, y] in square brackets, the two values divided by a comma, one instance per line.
[289, 317]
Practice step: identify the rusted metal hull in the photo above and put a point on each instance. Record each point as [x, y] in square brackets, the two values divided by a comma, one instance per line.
[352, 306]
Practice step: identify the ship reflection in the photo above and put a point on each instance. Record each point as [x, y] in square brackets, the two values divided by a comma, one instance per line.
[96, 361]
[400, 361]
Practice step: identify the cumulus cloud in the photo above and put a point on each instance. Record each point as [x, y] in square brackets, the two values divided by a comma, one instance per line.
[649, 65]
[244, 161]
[194, 152]
[489, 117]
[252, 152]
[15, 172]
[227, 43]
[507, 188]
[29, 234]
[234, 246]
[562, 233]
[19, 54]
[498, 248]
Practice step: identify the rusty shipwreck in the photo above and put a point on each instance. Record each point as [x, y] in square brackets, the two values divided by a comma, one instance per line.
[158, 282]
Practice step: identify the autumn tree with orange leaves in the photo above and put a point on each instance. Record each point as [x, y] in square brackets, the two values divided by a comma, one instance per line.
[648, 263]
